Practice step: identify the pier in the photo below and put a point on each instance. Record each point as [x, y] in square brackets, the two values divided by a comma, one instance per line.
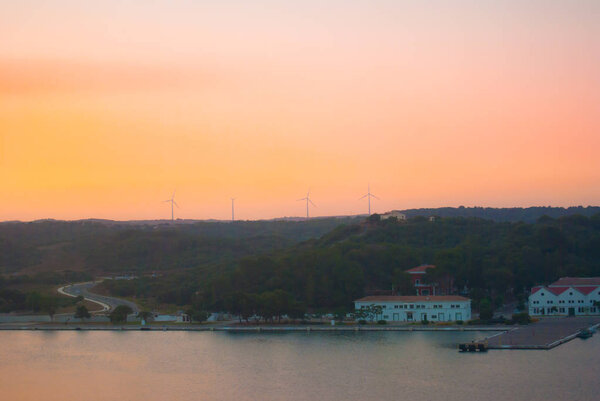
[543, 335]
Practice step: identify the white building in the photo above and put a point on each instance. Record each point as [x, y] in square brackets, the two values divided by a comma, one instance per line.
[569, 296]
[446, 308]
[393, 213]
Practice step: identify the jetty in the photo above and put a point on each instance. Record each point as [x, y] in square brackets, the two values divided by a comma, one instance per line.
[543, 335]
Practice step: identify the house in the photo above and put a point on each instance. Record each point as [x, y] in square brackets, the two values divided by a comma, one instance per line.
[444, 286]
[569, 296]
[394, 308]
[393, 213]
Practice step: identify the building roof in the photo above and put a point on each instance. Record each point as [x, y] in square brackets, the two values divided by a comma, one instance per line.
[557, 290]
[420, 269]
[576, 281]
[412, 298]
[586, 290]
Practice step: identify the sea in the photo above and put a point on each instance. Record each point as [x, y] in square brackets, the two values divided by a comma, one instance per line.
[298, 366]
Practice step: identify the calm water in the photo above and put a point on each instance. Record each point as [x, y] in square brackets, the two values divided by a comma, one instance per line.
[162, 366]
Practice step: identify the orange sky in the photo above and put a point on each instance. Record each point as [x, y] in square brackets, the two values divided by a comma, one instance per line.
[107, 107]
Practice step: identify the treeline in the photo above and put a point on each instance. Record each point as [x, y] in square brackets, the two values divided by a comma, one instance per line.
[487, 260]
[115, 247]
[511, 214]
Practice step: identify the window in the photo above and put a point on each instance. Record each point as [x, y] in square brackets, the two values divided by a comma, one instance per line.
[542, 294]
[417, 282]
[570, 293]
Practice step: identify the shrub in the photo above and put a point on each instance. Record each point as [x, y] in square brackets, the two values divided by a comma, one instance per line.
[381, 322]
[362, 321]
[521, 318]
[459, 322]
[425, 321]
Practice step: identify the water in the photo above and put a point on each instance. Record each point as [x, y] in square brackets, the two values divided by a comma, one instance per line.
[151, 366]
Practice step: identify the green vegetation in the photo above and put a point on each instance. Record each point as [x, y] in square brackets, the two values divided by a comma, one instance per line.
[119, 314]
[273, 269]
[82, 312]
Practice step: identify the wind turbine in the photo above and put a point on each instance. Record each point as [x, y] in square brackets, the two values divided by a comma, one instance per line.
[172, 200]
[369, 195]
[232, 209]
[307, 199]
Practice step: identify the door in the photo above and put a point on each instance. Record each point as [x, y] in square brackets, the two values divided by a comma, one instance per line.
[423, 316]
[571, 311]
[396, 317]
[440, 317]
[458, 316]
[409, 316]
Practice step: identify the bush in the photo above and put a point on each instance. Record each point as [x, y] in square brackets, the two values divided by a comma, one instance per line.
[521, 318]
[362, 321]
[425, 321]
[119, 314]
[459, 322]
[382, 322]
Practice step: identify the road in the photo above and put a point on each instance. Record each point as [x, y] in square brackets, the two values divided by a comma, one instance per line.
[107, 303]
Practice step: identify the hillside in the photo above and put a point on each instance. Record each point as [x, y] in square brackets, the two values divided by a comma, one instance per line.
[101, 246]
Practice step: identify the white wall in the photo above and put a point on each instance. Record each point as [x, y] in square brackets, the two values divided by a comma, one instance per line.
[542, 302]
[435, 311]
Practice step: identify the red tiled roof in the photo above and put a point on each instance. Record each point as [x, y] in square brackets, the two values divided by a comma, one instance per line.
[536, 289]
[557, 290]
[577, 281]
[585, 290]
[420, 269]
[412, 298]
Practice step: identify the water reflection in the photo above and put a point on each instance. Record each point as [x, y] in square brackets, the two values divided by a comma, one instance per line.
[293, 366]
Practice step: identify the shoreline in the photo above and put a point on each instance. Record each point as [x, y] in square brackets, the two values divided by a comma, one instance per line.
[242, 329]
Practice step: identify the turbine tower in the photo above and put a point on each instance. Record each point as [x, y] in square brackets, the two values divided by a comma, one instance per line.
[232, 209]
[369, 195]
[307, 199]
[172, 200]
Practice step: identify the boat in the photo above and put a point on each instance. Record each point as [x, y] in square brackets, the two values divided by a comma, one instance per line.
[585, 333]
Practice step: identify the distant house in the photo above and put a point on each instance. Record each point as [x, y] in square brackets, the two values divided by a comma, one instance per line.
[568, 296]
[445, 285]
[393, 213]
[395, 308]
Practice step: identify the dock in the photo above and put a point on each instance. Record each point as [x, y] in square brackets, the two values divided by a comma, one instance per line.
[543, 335]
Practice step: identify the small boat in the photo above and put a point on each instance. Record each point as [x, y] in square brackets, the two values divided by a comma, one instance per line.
[585, 333]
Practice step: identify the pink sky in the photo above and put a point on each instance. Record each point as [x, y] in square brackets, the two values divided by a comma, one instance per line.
[107, 107]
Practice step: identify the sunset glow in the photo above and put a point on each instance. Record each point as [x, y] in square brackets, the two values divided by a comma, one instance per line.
[107, 107]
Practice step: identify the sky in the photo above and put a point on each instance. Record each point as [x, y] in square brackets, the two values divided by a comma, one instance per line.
[107, 107]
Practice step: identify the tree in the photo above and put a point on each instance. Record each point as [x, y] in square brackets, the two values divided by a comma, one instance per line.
[145, 316]
[486, 312]
[49, 305]
[33, 301]
[197, 315]
[82, 312]
[119, 314]
[403, 283]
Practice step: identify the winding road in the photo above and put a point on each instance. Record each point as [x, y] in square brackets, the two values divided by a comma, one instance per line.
[107, 303]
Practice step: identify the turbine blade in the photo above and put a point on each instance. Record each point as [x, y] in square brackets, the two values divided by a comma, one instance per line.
[175, 203]
[300, 199]
[375, 197]
[364, 196]
[311, 202]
